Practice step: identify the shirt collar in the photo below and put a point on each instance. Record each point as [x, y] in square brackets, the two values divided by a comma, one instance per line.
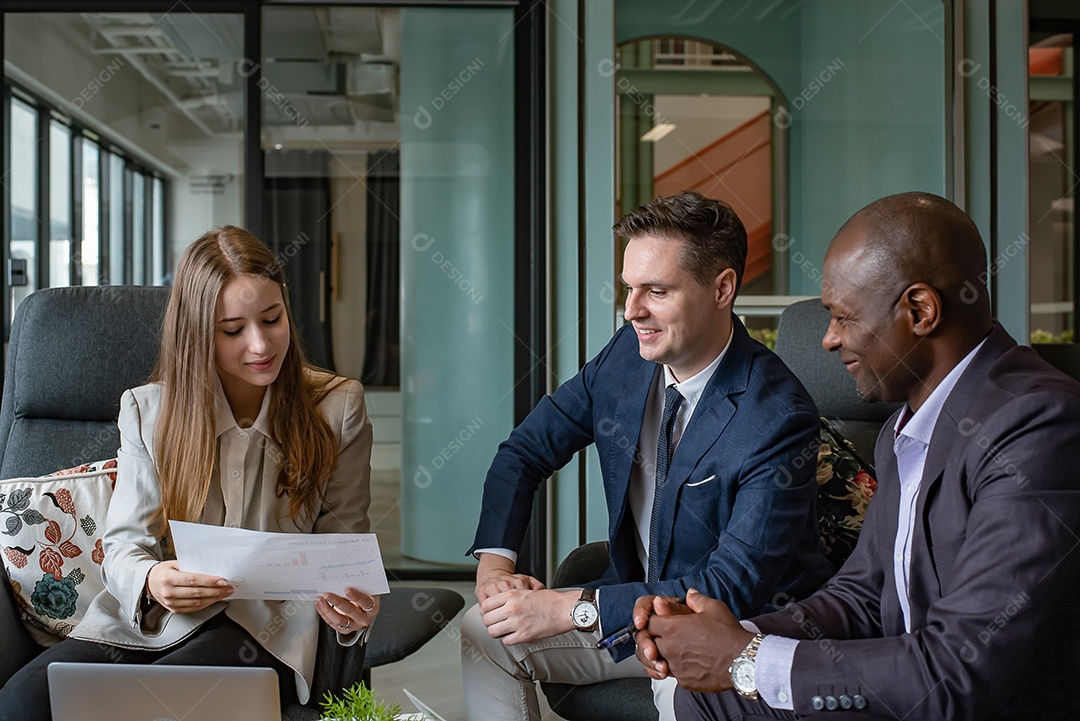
[920, 426]
[223, 415]
[692, 388]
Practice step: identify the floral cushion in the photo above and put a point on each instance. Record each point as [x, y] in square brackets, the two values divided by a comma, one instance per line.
[845, 486]
[51, 536]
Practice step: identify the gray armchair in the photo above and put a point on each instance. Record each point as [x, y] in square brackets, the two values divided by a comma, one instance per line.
[72, 353]
[798, 343]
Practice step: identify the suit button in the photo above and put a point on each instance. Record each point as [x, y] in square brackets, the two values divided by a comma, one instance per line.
[846, 702]
[831, 704]
[818, 703]
[859, 700]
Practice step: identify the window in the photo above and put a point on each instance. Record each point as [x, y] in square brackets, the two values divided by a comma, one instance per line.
[59, 205]
[24, 202]
[90, 248]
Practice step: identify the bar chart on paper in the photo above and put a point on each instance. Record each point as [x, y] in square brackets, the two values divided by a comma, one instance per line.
[281, 566]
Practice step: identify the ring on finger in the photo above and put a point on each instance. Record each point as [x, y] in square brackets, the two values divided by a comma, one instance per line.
[368, 610]
[345, 626]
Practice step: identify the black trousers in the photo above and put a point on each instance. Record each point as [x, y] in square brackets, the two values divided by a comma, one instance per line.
[218, 642]
[730, 706]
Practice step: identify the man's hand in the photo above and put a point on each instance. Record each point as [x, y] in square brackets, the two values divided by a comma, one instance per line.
[185, 592]
[495, 574]
[522, 615]
[647, 653]
[699, 647]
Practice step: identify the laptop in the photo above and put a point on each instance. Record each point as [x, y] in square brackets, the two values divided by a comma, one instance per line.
[155, 692]
[426, 714]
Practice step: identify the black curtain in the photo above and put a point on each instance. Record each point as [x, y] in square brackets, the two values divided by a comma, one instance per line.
[296, 226]
[382, 338]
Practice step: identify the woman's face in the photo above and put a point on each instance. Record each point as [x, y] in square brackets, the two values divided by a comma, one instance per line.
[251, 333]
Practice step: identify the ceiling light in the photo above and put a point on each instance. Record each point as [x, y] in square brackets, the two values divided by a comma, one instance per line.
[658, 131]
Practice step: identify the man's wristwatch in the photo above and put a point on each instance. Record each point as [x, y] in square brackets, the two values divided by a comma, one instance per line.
[585, 615]
[742, 669]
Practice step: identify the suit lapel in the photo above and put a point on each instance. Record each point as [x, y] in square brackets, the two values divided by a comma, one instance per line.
[713, 412]
[947, 437]
[626, 434]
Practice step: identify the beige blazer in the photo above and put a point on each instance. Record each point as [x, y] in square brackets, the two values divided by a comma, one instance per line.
[246, 474]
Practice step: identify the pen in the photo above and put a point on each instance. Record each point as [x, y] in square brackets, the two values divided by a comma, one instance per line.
[624, 634]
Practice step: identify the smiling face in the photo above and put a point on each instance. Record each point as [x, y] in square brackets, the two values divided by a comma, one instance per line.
[678, 321]
[867, 326]
[251, 336]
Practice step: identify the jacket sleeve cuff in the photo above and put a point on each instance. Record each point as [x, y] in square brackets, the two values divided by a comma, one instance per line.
[357, 637]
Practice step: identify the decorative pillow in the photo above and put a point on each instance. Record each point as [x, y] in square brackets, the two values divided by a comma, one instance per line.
[52, 528]
[845, 486]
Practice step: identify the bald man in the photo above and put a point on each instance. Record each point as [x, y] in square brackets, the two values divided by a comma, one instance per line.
[960, 599]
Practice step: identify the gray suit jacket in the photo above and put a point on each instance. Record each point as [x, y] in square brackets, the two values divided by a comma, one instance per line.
[996, 633]
[288, 629]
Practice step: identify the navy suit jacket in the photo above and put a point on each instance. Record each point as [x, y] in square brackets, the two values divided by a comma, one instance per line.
[993, 590]
[738, 511]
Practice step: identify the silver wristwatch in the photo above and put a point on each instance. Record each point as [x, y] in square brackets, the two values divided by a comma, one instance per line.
[742, 669]
[585, 614]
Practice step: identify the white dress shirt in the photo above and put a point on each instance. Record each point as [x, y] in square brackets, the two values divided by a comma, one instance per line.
[772, 672]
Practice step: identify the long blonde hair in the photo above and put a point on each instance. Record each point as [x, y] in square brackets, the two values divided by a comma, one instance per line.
[185, 437]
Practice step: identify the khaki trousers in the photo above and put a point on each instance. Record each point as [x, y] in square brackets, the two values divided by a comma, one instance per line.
[500, 681]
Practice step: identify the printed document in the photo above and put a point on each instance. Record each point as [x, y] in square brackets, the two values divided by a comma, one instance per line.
[281, 566]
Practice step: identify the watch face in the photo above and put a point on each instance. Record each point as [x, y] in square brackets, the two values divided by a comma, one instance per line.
[742, 675]
[585, 614]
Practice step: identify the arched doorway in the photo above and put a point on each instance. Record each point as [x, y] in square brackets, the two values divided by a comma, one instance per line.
[694, 115]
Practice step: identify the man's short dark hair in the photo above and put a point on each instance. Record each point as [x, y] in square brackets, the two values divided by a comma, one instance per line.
[715, 237]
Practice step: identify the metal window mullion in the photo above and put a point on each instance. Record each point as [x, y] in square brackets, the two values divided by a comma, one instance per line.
[148, 229]
[44, 212]
[104, 216]
[129, 226]
[5, 199]
[76, 178]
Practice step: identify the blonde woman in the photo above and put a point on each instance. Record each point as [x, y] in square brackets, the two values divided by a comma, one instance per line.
[235, 428]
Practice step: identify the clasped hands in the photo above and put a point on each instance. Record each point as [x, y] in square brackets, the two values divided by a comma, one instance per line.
[182, 592]
[518, 608]
[695, 642]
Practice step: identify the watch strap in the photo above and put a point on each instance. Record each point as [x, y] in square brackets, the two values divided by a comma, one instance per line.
[749, 654]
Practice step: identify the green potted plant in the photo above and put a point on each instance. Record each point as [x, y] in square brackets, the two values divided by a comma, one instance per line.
[357, 703]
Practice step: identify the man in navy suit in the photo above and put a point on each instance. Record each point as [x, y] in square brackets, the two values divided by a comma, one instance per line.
[708, 448]
[959, 601]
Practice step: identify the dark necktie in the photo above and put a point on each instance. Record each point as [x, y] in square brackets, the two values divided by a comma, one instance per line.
[664, 447]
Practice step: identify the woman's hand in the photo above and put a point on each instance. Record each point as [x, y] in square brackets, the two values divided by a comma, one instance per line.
[348, 613]
[182, 592]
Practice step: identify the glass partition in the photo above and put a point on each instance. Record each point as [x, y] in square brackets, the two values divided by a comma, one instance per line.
[819, 109]
[387, 137]
[1051, 244]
